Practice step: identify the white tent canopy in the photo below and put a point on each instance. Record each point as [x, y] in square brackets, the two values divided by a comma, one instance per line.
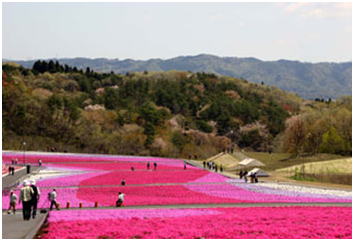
[250, 162]
[259, 172]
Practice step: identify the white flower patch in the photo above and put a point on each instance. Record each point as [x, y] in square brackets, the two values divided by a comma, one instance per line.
[303, 189]
[50, 173]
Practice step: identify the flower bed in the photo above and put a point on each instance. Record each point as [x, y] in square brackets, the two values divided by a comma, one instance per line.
[173, 194]
[123, 166]
[146, 177]
[64, 180]
[217, 223]
[292, 191]
[56, 157]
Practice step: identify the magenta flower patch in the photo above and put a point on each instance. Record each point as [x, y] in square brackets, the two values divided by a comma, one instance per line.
[216, 223]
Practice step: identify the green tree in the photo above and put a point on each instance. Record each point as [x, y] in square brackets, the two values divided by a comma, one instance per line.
[332, 142]
[179, 140]
[111, 98]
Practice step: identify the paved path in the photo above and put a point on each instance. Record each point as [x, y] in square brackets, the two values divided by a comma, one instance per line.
[14, 227]
[9, 181]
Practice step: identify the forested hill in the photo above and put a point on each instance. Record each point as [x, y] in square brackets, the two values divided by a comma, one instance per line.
[170, 114]
[310, 81]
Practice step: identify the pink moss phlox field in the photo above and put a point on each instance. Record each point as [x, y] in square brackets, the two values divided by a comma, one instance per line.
[246, 223]
[243, 195]
[122, 166]
[144, 177]
[92, 214]
[210, 177]
[60, 157]
[148, 195]
[68, 181]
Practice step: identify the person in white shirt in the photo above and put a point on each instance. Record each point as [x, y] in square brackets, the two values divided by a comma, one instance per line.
[26, 199]
[53, 198]
[120, 201]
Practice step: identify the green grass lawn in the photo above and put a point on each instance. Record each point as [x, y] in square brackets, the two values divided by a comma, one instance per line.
[282, 160]
[338, 166]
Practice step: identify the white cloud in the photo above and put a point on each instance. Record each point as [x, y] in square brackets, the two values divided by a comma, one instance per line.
[318, 10]
[241, 24]
[146, 17]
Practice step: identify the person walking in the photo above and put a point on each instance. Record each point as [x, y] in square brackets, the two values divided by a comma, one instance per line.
[26, 199]
[255, 178]
[204, 164]
[241, 174]
[35, 199]
[16, 161]
[148, 166]
[155, 166]
[39, 162]
[12, 161]
[245, 176]
[53, 198]
[120, 201]
[12, 170]
[221, 169]
[185, 167]
[13, 200]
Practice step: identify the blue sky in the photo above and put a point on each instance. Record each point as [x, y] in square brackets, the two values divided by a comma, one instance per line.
[311, 32]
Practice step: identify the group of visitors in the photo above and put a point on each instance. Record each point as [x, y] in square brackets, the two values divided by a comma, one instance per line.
[14, 161]
[229, 150]
[212, 166]
[253, 176]
[155, 166]
[29, 196]
[190, 157]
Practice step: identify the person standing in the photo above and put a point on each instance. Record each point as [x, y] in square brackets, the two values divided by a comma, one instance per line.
[13, 200]
[148, 166]
[245, 175]
[12, 161]
[39, 162]
[26, 199]
[53, 199]
[185, 167]
[123, 182]
[204, 164]
[35, 199]
[241, 174]
[12, 170]
[155, 166]
[16, 161]
[255, 178]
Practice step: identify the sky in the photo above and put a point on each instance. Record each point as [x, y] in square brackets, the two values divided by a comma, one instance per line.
[308, 32]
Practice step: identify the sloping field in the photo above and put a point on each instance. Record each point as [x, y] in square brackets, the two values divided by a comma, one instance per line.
[339, 166]
[224, 159]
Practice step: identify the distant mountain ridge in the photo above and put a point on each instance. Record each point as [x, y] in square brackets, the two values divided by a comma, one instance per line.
[309, 80]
